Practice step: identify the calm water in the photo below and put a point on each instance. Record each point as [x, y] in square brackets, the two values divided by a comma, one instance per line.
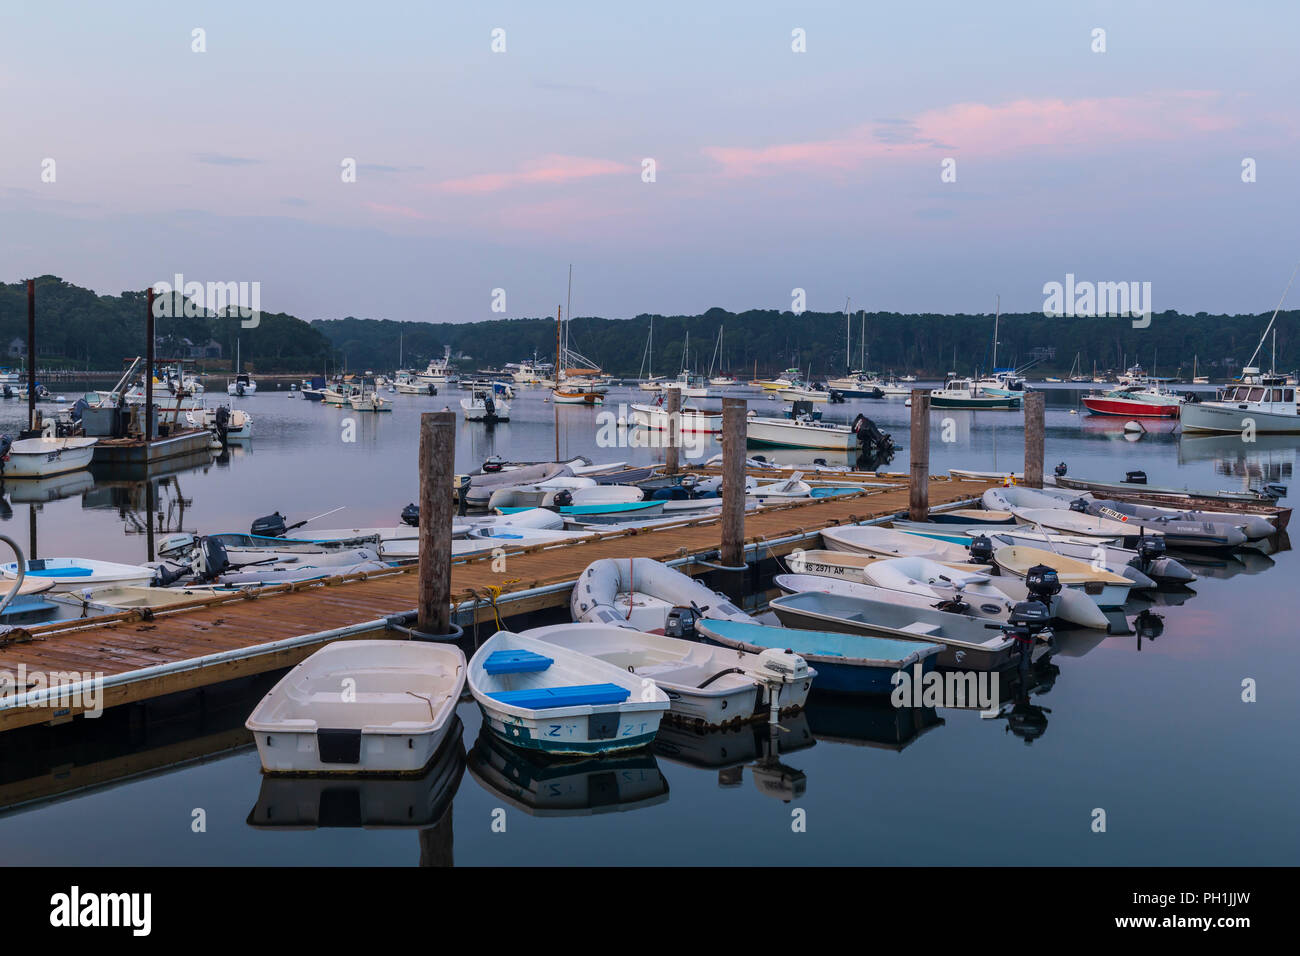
[1156, 735]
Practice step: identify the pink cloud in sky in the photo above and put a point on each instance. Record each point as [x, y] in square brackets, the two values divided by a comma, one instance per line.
[981, 129]
[544, 170]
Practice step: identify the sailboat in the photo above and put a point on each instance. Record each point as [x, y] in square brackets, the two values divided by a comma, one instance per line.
[243, 383]
[1006, 382]
[690, 386]
[1198, 379]
[651, 383]
[721, 379]
[856, 383]
[575, 376]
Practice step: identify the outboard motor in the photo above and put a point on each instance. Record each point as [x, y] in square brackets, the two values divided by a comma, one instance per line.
[1150, 547]
[210, 560]
[562, 498]
[433, 389]
[239, 389]
[869, 436]
[6, 442]
[167, 576]
[489, 408]
[1148, 625]
[1135, 478]
[492, 465]
[1026, 624]
[79, 406]
[1061, 470]
[1274, 490]
[1079, 505]
[981, 550]
[681, 622]
[1043, 584]
[411, 515]
[222, 419]
[836, 397]
[269, 526]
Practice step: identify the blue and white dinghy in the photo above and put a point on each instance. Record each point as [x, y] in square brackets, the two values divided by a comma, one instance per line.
[849, 663]
[707, 685]
[540, 696]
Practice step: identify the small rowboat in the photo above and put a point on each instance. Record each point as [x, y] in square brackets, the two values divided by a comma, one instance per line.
[72, 574]
[539, 696]
[849, 663]
[885, 542]
[850, 566]
[43, 457]
[707, 685]
[360, 707]
[1106, 589]
[606, 512]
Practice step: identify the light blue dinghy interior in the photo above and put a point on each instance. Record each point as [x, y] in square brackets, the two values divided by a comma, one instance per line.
[816, 643]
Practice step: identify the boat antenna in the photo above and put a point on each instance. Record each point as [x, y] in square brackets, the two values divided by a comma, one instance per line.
[1269, 327]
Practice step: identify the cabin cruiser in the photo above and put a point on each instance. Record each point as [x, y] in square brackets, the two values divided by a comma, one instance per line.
[1261, 403]
[438, 371]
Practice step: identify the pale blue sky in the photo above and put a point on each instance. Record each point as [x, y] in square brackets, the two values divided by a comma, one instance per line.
[775, 169]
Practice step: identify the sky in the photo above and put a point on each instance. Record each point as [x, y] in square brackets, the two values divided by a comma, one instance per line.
[774, 169]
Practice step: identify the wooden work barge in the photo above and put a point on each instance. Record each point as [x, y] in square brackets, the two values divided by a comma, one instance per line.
[145, 655]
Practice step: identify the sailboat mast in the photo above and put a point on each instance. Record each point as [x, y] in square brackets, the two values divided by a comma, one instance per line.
[848, 330]
[996, 316]
[558, 348]
[863, 361]
[1275, 312]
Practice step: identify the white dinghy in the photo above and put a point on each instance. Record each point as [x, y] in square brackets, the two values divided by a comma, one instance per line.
[886, 542]
[539, 696]
[639, 593]
[851, 566]
[708, 685]
[1106, 589]
[72, 574]
[43, 457]
[360, 707]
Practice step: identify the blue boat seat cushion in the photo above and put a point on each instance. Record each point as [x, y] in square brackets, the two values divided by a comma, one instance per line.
[515, 662]
[541, 698]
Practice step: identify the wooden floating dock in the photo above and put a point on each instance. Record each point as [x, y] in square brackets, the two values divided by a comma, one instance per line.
[144, 655]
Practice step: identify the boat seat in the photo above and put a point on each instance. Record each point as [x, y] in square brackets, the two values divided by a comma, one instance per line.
[541, 698]
[515, 662]
[920, 627]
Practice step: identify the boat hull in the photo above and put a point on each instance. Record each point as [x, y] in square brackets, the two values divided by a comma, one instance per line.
[994, 403]
[1237, 419]
[1128, 409]
[779, 433]
[45, 457]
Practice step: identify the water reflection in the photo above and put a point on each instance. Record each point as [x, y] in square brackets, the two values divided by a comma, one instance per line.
[758, 746]
[545, 787]
[867, 722]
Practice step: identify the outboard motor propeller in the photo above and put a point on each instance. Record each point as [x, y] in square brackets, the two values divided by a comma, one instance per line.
[1061, 470]
[981, 550]
[269, 526]
[1043, 584]
[411, 515]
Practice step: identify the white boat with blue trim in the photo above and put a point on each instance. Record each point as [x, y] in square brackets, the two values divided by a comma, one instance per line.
[539, 696]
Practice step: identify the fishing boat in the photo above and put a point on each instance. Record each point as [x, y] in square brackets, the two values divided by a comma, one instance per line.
[360, 707]
[958, 392]
[1264, 404]
[408, 383]
[1134, 401]
[438, 372]
[222, 421]
[640, 593]
[369, 400]
[484, 406]
[243, 384]
[691, 419]
[966, 641]
[885, 542]
[1107, 589]
[72, 574]
[539, 696]
[44, 457]
[706, 685]
[847, 663]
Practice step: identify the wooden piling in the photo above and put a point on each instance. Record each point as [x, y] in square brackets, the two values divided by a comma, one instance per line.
[148, 367]
[1035, 411]
[31, 353]
[919, 501]
[673, 405]
[733, 481]
[437, 466]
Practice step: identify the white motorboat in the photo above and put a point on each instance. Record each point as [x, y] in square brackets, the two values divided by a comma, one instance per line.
[363, 400]
[640, 593]
[691, 419]
[73, 574]
[234, 423]
[708, 685]
[44, 457]
[540, 696]
[1263, 404]
[243, 384]
[360, 707]
[799, 433]
[485, 405]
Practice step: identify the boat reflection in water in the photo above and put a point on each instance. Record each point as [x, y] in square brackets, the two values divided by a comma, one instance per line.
[756, 745]
[551, 787]
[39, 491]
[398, 802]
